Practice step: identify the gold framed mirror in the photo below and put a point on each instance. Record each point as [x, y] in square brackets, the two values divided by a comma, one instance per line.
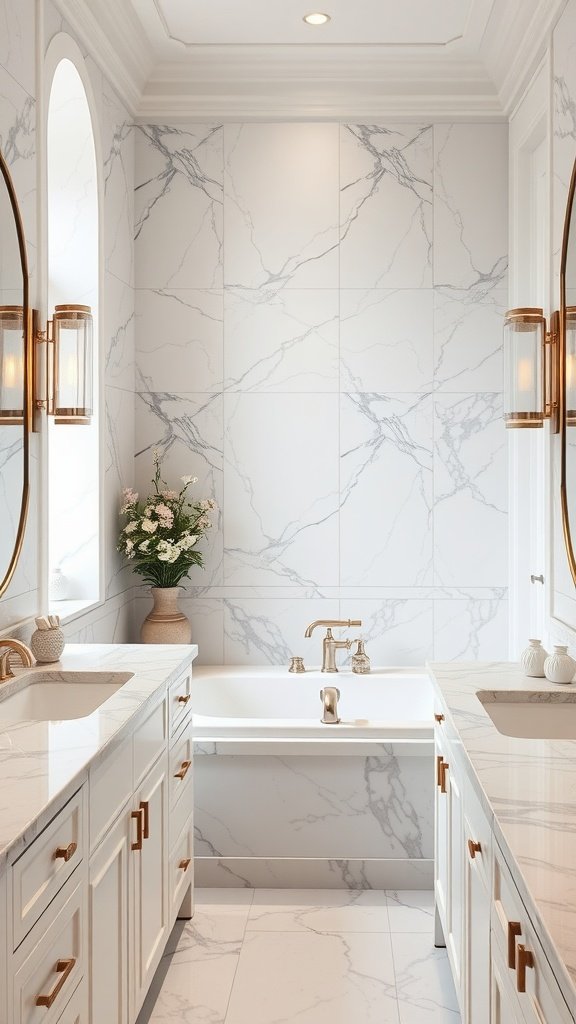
[16, 353]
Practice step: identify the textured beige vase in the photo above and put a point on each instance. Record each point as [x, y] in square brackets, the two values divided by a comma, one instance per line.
[165, 624]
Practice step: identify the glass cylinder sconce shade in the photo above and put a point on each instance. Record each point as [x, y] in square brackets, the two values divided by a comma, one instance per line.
[72, 327]
[570, 366]
[11, 365]
[524, 367]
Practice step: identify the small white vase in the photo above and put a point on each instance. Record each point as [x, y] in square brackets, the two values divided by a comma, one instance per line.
[560, 667]
[47, 645]
[165, 624]
[533, 658]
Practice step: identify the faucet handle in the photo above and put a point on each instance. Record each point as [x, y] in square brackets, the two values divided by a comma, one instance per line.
[296, 665]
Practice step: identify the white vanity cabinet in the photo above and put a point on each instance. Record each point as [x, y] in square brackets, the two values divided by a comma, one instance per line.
[449, 863]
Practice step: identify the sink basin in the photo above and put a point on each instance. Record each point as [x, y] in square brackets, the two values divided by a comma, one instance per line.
[539, 716]
[74, 695]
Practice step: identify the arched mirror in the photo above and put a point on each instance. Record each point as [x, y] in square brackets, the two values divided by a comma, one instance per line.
[15, 379]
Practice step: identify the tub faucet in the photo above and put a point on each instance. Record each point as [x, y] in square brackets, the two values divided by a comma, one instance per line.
[330, 697]
[329, 644]
[13, 647]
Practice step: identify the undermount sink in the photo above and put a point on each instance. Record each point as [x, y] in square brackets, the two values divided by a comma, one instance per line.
[539, 716]
[68, 696]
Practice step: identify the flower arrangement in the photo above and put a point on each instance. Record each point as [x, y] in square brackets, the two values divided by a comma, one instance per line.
[162, 533]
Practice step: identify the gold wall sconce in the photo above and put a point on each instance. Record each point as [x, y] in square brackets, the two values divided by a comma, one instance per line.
[68, 366]
[531, 365]
[12, 365]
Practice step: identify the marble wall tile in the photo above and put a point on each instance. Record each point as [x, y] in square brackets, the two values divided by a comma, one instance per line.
[281, 482]
[17, 41]
[385, 206]
[178, 211]
[396, 631]
[118, 332]
[265, 631]
[468, 338]
[386, 339]
[386, 490]
[470, 491]
[281, 340]
[471, 628]
[281, 205]
[118, 155]
[206, 617]
[180, 339]
[118, 473]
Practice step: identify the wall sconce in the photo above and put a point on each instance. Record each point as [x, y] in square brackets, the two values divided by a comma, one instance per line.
[531, 368]
[69, 365]
[11, 365]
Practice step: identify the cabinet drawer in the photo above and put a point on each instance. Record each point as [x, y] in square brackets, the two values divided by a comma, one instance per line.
[43, 868]
[181, 766]
[181, 812]
[110, 788]
[51, 962]
[149, 739]
[477, 832]
[179, 698]
[536, 988]
[181, 868]
[77, 1010]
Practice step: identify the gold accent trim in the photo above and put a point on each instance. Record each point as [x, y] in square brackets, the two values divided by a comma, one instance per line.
[139, 817]
[514, 929]
[525, 959]
[565, 312]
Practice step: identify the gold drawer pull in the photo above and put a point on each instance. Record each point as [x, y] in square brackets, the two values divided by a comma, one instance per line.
[514, 929]
[139, 816]
[145, 808]
[474, 848]
[185, 864]
[525, 959]
[439, 718]
[63, 968]
[66, 852]
[183, 699]
[443, 769]
[439, 763]
[184, 768]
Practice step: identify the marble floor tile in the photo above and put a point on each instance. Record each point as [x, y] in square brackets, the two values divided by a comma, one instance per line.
[411, 911]
[314, 979]
[424, 984]
[320, 911]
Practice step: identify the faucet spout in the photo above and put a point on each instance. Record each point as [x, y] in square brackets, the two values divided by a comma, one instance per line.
[13, 647]
[330, 697]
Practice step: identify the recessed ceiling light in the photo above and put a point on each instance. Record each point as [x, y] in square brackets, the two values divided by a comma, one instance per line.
[316, 18]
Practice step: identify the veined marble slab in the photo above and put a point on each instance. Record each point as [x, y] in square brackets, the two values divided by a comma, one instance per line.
[528, 791]
[43, 763]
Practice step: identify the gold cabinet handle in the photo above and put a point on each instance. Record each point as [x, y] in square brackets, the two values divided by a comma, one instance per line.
[185, 864]
[443, 769]
[184, 769]
[66, 853]
[514, 929]
[139, 816]
[439, 718]
[183, 699]
[474, 848]
[525, 959]
[145, 808]
[63, 968]
[439, 763]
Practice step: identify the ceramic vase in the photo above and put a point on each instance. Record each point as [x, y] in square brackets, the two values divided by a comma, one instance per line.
[559, 667]
[166, 623]
[47, 645]
[533, 658]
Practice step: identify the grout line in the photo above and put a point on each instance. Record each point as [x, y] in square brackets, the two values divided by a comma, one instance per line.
[238, 958]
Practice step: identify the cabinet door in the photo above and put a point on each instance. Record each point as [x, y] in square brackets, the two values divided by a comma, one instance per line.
[441, 843]
[503, 1002]
[108, 896]
[455, 908]
[477, 938]
[77, 1010]
[150, 880]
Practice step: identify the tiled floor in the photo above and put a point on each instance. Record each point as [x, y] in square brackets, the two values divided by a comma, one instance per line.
[272, 956]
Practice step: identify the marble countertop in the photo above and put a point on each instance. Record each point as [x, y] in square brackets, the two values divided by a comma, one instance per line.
[43, 763]
[528, 790]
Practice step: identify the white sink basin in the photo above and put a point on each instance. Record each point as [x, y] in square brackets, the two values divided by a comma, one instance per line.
[62, 699]
[539, 716]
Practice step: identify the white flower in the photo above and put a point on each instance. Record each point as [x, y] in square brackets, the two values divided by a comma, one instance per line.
[187, 541]
[168, 552]
[144, 546]
[148, 526]
[131, 527]
[129, 546]
[189, 480]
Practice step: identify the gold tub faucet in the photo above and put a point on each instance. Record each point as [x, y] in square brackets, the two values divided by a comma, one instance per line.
[329, 644]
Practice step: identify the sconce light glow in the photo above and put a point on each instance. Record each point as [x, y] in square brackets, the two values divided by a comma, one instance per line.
[316, 18]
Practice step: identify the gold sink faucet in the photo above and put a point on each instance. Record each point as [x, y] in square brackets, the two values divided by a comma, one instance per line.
[13, 647]
[329, 644]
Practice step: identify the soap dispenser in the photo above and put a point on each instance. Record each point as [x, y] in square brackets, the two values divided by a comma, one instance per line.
[360, 660]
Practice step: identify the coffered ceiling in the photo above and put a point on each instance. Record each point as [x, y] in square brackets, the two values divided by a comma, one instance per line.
[257, 59]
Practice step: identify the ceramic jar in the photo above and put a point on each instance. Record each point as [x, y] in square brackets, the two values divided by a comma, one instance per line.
[559, 667]
[165, 624]
[533, 658]
[47, 645]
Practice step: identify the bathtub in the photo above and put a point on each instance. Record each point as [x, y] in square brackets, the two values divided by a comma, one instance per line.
[282, 800]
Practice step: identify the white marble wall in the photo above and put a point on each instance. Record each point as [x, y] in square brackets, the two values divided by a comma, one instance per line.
[318, 340]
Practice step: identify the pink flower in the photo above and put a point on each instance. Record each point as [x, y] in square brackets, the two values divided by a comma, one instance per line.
[169, 495]
[165, 515]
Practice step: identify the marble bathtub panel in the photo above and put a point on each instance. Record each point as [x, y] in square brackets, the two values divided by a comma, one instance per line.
[468, 338]
[179, 204]
[313, 873]
[386, 486]
[386, 340]
[281, 478]
[385, 206]
[281, 205]
[180, 339]
[396, 631]
[470, 491]
[470, 205]
[187, 430]
[471, 629]
[330, 807]
[260, 631]
[281, 340]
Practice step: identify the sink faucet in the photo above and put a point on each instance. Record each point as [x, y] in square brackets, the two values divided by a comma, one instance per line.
[330, 697]
[329, 644]
[13, 647]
